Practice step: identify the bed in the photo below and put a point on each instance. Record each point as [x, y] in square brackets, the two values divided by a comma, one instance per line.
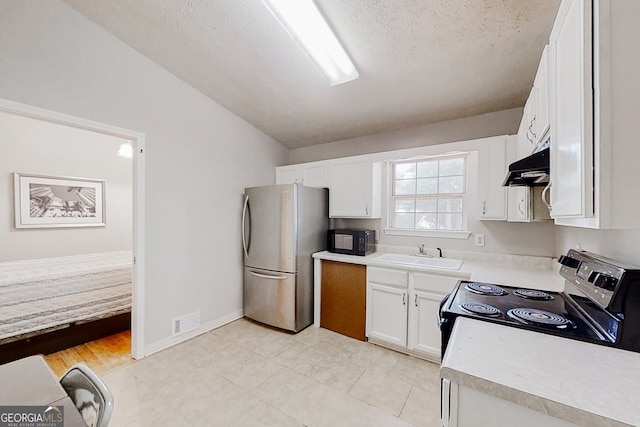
[49, 304]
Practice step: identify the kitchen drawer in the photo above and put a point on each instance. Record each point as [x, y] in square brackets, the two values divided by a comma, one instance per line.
[387, 276]
[440, 284]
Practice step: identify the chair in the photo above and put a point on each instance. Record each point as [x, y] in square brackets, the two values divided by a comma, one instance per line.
[90, 395]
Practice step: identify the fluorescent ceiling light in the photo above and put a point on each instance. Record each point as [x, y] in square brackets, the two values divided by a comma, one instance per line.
[303, 22]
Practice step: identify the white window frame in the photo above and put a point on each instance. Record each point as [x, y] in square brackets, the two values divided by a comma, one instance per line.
[390, 205]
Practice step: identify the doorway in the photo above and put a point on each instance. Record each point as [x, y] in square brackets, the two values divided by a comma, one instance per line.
[137, 141]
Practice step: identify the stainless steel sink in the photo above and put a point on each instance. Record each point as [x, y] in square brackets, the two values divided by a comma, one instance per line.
[444, 263]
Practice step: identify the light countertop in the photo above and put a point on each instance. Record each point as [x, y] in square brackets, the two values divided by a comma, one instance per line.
[586, 384]
[500, 270]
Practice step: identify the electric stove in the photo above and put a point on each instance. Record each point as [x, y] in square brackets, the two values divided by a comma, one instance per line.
[600, 303]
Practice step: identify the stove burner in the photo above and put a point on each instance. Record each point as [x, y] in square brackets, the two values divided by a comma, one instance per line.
[485, 289]
[532, 294]
[539, 317]
[480, 309]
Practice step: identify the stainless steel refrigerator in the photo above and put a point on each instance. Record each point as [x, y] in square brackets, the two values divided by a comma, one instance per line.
[282, 225]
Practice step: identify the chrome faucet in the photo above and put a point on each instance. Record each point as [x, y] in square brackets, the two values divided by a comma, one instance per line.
[421, 249]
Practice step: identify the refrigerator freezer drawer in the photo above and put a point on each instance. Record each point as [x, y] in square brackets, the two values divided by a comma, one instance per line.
[270, 297]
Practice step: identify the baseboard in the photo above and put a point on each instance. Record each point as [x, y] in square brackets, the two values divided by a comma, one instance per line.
[165, 343]
[405, 350]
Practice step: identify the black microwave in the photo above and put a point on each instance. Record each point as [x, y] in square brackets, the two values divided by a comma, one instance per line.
[351, 242]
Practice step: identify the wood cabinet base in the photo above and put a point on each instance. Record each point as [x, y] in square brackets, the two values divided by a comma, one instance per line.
[343, 298]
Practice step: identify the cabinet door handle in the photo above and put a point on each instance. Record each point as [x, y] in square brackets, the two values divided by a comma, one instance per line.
[544, 196]
[415, 300]
[484, 208]
[520, 207]
[531, 139]
[531, 125]
[366, 210]
[404, 299]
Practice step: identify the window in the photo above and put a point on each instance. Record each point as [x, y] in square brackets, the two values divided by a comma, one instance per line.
[428, 194]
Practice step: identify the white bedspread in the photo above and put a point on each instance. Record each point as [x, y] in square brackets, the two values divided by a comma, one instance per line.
[39, 295]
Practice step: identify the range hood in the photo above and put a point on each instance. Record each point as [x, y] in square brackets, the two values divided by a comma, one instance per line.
[531, 171]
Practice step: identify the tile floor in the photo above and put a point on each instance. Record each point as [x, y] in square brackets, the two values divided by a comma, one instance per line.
[245, 374]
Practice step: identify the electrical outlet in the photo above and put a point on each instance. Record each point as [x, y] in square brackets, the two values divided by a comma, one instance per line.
[479, 239]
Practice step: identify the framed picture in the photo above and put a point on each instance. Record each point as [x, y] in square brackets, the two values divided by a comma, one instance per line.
[52, 201]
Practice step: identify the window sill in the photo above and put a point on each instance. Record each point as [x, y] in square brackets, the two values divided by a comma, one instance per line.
[442, 234]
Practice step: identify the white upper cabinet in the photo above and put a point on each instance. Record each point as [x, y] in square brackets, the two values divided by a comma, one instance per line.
[492, 167]
[541, 122]
[312, 174]
[526, 132]
[572, 144]
[288, 174]
[355, 188]
[595, 64]
[535, 123]
[540, 93]
[519, 204]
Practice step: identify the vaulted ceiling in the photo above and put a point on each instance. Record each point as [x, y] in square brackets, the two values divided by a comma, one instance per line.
[420, 61]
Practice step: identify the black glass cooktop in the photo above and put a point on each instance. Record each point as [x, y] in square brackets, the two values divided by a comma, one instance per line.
[546, 312]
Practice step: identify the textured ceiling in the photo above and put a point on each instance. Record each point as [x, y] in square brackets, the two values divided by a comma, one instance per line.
[420, 61]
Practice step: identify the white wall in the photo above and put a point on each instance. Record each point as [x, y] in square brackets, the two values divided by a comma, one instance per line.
[492, 124]
[199, 156]
[37, 147]
[620, 245]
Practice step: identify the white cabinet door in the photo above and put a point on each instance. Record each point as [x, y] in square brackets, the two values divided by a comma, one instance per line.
[519, 204]
[314, 174]
[572, 142]
[524, 144]
[309, 174]
[387, 314]
[424, 332]
[541, 84]
[354, 188]
[530, 119]
[387, 299]
[287, 175]
[426, 293]
[492, 167]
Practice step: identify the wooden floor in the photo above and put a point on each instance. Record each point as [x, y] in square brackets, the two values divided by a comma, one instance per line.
[102, 356]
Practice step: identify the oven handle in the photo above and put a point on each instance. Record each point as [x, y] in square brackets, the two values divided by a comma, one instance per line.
[441, 320]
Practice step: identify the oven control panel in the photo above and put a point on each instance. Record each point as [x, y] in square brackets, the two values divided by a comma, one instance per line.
[594, 277]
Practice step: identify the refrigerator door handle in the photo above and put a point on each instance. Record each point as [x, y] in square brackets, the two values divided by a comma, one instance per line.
[244, 217]
[267, 276]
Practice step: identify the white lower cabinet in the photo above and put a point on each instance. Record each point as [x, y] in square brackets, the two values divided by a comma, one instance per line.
[465, 407]
[387, 309]
[402, 309]
[426, 292]
[387, 294]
